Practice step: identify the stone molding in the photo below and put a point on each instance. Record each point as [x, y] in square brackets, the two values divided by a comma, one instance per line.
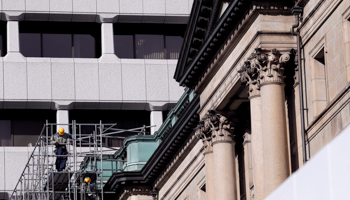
[246, 138]
[214, 128]
[263, 68]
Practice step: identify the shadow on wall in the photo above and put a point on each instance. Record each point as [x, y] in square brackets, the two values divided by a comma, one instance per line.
[4, 196]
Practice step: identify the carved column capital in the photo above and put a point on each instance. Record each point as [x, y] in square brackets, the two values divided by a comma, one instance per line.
[213, 128]
[220, 127]
[203, 132]
[246, 138]
[273, 72]
[249, 73]
[264, 68]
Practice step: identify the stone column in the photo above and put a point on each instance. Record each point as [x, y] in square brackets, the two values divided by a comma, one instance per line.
[223, 157]
[274, 126]
[265, 72]
[203, 132]
[257, 148]
[248, 166]
[249, 74]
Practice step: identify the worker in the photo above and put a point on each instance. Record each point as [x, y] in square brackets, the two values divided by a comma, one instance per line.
[88, 189]
[59, 139]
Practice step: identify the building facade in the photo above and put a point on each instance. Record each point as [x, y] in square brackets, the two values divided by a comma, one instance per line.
[109, 60]
[267, 93]
[272, 86]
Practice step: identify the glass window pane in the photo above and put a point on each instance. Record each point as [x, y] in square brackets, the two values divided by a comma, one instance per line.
[124, 46]
[3, 38]
[84, 46]
[1, 48]
[5, 133]
[150, 46]
[30, 44]
[26, 131]
[57, 45]
[173, 46]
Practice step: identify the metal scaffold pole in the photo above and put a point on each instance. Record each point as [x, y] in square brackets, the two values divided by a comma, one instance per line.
[87, 151]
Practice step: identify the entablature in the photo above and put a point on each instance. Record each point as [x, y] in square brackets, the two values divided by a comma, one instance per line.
[233, 23]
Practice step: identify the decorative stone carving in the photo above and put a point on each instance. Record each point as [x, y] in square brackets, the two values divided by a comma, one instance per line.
[249, 73]
[246, 139]
[261, 68]
[213, 128]
[203, 132]
[220, 127]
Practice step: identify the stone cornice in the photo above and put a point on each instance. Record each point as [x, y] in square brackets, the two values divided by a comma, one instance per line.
[205, 61]
[135, 191]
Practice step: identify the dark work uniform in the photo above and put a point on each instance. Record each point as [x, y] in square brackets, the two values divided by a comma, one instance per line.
[88, 191]
[60, 142]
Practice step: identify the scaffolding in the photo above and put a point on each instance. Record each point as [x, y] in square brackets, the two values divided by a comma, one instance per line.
[89, 155]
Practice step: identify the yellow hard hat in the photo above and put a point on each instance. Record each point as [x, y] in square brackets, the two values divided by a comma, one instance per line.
[87, 179]
[61, 131]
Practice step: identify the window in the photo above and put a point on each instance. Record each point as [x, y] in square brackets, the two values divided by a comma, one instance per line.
[21, 127]
[148, 41]
[124, 119]
[2, 39]
[60, 39]
[318, 82]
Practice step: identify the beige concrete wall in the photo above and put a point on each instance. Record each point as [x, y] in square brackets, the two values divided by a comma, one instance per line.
[140, 197]
[227, 76]
[327, 29]
[187, 179]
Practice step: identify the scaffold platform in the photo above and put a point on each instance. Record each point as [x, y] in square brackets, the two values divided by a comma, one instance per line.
[88, 155]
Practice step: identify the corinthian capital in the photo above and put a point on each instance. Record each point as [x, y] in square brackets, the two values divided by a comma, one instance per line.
[220, 127]
[273, 72]
[249, 72]
[203, 132]
[263, 68]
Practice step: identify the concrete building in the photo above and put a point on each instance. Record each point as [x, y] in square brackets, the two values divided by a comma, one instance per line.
[265, 112]
[109, 60]
[271, 80]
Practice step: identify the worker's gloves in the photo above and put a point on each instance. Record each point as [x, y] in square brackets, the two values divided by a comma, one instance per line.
[57, 144]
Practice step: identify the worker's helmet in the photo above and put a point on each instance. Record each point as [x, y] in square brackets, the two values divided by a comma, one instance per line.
[61, 131]
[87, 179]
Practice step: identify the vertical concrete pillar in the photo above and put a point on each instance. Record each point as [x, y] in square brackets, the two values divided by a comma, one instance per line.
[223, 157]
[224, 165]
[276, 158]
[251, 78]
[266, 71]
[107, 38]
[203, 131]
[274, 125]
[248, 165]
[257, 148]
[156, 119]
[12, 37]
[62, 119]
[209, 172]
